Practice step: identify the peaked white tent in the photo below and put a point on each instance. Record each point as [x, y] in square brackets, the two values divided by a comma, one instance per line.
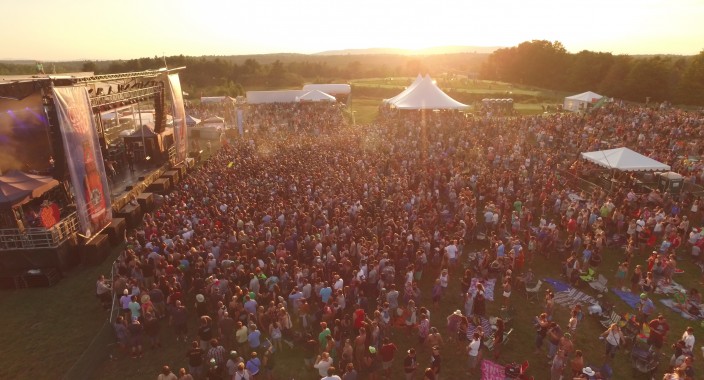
[316, 96]
[329, 88]
[191, 121]
[581, 101]
[281, 96]
[403, 93]
[624, 159]
[427, 95]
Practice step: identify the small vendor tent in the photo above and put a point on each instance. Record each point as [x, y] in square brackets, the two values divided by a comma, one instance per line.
[427, 95]
[316, 96]
[191, 121]
[581, 102]
[624, 159]
[216, 99]
[213, 121]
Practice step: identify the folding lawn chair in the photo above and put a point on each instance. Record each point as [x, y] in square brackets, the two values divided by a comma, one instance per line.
[600, 284]
[532, 293]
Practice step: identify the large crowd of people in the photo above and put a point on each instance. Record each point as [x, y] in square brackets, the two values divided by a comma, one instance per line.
[323, 241]
[294, 117]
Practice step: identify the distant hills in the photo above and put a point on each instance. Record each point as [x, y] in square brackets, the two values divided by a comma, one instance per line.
[427, 51]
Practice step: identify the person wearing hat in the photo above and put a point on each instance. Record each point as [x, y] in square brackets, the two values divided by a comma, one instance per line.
[587, 373]
[410, 364]
[233, 361]
[646, 307]
[205, 331]
[125, 304]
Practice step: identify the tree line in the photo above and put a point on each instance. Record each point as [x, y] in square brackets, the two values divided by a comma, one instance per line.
[545, 64]
[538, 63]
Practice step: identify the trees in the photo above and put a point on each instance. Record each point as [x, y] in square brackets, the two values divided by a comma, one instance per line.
[691, 89]
[536, 63]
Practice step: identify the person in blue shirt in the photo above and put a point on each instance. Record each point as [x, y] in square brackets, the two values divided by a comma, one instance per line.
[500, 249]
[253, 364]
[325, 293]
[254, 337]
[587, 254]
[646, 307]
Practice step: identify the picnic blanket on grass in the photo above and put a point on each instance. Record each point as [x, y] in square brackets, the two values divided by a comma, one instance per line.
[486, 326]
[672, 304]
[573, 297]
[558, 285]
[630, 298]
[570, 296]
[492, 371]
[670, 288]
[488, 287]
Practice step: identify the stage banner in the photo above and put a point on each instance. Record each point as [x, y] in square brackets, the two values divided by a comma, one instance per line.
[84, 158]
[179, 113]
[492, 371]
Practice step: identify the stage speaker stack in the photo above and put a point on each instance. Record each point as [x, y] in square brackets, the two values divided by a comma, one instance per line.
[146, 201]
[116, 231]
[95, 251]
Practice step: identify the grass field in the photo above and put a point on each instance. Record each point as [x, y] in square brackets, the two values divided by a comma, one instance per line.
[464, 85]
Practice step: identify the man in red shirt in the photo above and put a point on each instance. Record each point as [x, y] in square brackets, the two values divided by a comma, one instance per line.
[658, 330]
[387, 352]
[359, 315]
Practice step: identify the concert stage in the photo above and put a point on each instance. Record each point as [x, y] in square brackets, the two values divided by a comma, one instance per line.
[102, 140]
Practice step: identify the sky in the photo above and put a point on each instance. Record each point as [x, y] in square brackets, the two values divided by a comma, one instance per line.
[99, 29]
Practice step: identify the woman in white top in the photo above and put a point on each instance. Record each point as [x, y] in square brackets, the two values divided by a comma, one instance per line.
[614, 338]
[323, 363]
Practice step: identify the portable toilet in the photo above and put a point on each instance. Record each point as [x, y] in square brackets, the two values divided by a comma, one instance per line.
[671, 182]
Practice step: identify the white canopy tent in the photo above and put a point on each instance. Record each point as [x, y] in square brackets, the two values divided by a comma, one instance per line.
[403, 93]
[427, 95]
[191, 121]
[580, 102]
[316, 96]
[282, 96]
[213, 121]
[216, 99]
[329, 88]
[624, 159]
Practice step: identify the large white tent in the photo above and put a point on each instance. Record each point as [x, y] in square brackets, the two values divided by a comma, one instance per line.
[624, 159]
[580, 102]
[329, 88]
[426, 95]
[316, 96]
[403, 93]
[281, 96]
